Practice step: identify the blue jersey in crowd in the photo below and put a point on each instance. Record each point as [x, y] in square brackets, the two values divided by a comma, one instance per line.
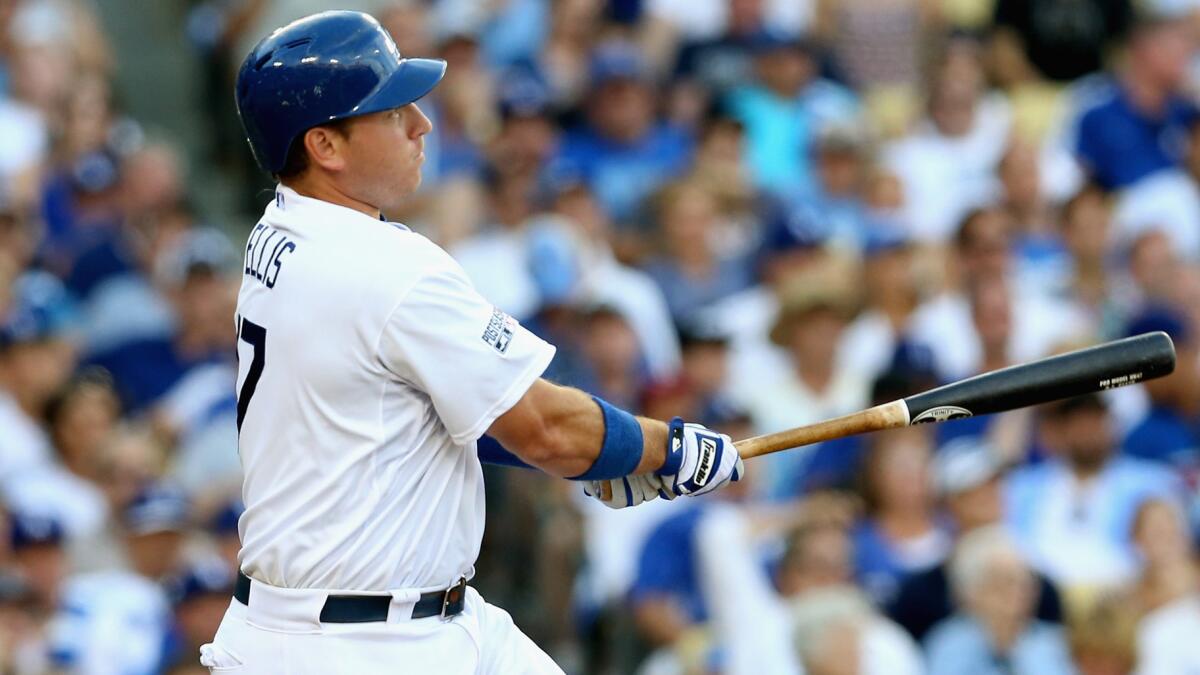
[1119, 144]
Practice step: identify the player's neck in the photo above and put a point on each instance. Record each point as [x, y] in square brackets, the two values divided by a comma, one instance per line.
[309, 186]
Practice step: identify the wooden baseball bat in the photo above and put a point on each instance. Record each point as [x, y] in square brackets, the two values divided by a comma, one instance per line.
[1106, 366]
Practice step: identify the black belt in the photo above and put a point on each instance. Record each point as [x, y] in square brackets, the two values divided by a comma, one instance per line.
[368, 608]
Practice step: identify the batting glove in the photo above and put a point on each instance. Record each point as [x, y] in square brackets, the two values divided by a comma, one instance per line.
[699, 460]
[627, 491]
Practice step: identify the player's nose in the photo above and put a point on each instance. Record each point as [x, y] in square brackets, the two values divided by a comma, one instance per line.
[419, 124]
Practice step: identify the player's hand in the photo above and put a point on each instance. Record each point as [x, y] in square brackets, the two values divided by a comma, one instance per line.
[699, 460]
[628, 491]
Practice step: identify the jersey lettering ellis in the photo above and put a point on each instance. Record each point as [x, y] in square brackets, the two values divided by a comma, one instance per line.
[367, 368]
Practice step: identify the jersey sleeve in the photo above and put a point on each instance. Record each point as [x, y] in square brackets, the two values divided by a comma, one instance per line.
[472, 360]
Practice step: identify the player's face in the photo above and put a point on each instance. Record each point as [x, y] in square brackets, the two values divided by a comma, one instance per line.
[384, 152]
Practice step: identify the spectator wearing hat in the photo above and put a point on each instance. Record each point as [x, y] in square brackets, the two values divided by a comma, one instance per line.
[994, 630]
[1169, 433]
[841, 154]
[967, 474]
[622, 152]
[784, 110]
[37, 355]
[1072, 514]
[37, 548]
[122, 618]
[200, 597]
[198, 277]
[815, 385]
[705, 350]
[154, 525]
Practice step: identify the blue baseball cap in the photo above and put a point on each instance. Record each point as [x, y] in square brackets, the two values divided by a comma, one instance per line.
[226, 520]
[880, 237]
[35, 530]
[42, 309]
[1161, 318]
[523, 94]
[159, 507]
[208, 578]
[617, 60]
[769, 40]
[794, 229]
[201, 249]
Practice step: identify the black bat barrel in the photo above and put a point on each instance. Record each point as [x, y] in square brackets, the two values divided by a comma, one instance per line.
[1107, 366]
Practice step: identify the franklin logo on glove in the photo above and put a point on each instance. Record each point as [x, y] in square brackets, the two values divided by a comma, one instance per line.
[708, 449]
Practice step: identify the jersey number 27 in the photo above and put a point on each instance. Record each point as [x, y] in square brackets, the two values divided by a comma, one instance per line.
[256, 336]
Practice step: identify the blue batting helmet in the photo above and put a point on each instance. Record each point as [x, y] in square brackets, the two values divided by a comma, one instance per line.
[321, 68]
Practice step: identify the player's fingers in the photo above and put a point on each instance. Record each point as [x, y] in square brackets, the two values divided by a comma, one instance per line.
[628, 492]
[738, 470]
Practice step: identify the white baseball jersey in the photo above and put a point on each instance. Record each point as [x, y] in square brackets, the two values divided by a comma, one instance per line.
[368, 367]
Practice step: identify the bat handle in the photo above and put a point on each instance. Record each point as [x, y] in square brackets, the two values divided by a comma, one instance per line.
[885, 416]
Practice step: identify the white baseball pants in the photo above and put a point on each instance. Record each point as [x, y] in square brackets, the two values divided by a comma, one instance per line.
[280, 634]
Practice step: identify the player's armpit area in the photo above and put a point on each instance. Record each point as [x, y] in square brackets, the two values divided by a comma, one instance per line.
[560, 430]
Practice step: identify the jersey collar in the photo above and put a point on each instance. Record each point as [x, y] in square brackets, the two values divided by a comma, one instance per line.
[288, 200]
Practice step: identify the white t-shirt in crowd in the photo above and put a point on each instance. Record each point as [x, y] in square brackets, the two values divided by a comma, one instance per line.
[369, 366]
[708, 19]
[1166, 639]
[945, 177]
[23, 444]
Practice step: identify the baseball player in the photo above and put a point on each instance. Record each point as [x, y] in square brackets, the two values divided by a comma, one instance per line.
[368, 368]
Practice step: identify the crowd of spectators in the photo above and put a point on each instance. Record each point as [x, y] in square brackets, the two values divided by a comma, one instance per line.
[753, 214]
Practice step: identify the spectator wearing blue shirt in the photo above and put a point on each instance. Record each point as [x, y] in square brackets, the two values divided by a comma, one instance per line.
[784, 110]
[666, 595]
[691, 271]
[199, 279]
[623, 152]
[1138, 123]
[835, 199]
[1169, 433]
[900, 534]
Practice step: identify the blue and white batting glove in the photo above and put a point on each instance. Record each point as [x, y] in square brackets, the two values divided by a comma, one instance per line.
[627, 491]
[699, 460]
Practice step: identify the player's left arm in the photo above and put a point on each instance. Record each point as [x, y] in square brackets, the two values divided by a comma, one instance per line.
[624, 460]
[481, 371]
[561, 431]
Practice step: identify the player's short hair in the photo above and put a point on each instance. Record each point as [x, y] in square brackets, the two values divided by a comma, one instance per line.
[297, 157]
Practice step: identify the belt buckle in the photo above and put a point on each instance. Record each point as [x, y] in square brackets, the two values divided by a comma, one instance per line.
[452, 600]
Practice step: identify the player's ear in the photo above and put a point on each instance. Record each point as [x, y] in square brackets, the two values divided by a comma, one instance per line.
[326, 148]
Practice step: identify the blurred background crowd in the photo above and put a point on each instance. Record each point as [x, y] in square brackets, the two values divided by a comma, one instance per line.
[750, 213]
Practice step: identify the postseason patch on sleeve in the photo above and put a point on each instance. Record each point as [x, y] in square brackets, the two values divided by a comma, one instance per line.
[499, 331]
